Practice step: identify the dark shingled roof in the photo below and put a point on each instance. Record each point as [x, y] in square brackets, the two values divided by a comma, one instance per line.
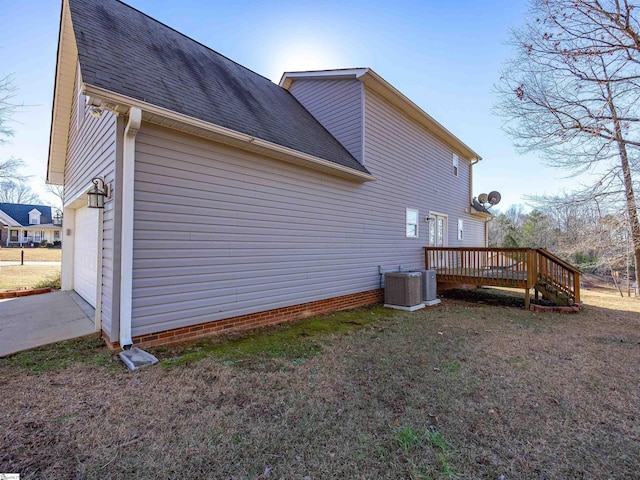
[20, 213]
[127, 52]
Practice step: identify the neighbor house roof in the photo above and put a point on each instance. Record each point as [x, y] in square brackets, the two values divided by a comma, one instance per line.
[7, 220]
[20, 213]
[124, 51]
[383, 88]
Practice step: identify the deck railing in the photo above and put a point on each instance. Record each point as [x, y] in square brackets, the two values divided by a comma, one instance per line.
[558, 274]
[508, 267]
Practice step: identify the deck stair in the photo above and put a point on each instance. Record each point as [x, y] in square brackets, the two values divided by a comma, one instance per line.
[526, 268]
[553, 293]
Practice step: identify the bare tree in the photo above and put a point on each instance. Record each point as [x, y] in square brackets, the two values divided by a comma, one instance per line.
[505, 230]
[572, 92]
[7, 91]
[590, 231]
[12, 191]
[9, 169]
[58, 192]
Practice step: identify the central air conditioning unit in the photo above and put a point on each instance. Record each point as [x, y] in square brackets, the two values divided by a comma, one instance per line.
[403, 290]
[428, 287]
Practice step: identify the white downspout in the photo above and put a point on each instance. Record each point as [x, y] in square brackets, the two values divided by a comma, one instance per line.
[472, 162]
[126, 257]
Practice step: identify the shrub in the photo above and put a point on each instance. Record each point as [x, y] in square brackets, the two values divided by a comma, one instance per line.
[52, 282]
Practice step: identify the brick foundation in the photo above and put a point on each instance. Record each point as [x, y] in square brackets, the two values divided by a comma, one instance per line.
[24, 293]
[554, 309]
[253, 320]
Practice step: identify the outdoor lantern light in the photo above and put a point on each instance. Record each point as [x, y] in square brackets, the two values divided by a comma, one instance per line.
[96, 196]
[57, 218]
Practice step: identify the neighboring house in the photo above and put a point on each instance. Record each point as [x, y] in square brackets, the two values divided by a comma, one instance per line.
[26, 225]
[234, 202]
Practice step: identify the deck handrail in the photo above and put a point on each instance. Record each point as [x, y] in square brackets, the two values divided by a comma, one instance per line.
[546, 253]
[563, 276]
[510, 267]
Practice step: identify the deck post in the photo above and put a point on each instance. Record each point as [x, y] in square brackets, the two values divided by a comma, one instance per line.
[527, 298]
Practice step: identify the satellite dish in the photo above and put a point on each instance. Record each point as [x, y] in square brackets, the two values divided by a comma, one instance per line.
[494, 198]
[483, 198]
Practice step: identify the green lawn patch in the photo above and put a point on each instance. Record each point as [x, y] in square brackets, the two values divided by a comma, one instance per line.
[86, 351]
[296, 341]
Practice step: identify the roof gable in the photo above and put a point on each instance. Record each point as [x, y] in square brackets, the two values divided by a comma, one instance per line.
[124, 51]
[7, 220]
[383, 88]
[20, 213]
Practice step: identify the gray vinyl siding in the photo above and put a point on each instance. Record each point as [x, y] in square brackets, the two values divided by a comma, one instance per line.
[411, 163]
[92, 153]
[337, 105]
[250, 233]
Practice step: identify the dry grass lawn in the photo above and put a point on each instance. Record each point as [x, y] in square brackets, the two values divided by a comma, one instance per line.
[467, 389]
[31, 254]
[26, 276]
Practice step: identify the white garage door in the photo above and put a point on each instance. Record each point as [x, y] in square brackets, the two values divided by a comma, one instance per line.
[85, 258]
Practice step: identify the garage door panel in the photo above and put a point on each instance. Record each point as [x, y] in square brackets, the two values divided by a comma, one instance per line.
[85, 261]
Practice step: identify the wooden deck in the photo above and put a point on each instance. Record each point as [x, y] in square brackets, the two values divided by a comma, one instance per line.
[524, 268]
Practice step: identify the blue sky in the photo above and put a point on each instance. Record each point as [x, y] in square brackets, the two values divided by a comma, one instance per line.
[445, 56]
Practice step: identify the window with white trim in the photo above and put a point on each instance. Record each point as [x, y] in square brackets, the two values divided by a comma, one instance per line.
[455, 165]
[460, 229]
[412, 223]
[34, 217]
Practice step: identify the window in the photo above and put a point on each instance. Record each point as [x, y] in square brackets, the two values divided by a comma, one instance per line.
[56, 235]
[460, 229]
[412, 223]
[455, 165]
[13, 236]
[34, 217]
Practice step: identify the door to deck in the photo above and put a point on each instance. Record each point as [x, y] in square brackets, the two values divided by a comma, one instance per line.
[438, 237]
[437, 230]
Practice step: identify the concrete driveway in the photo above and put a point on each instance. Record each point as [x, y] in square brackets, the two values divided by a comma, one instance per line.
[27, 322]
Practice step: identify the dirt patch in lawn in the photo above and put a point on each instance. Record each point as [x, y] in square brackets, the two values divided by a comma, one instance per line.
[461, 390]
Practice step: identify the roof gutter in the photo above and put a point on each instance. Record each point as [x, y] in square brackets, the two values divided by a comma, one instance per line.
[152, 113]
